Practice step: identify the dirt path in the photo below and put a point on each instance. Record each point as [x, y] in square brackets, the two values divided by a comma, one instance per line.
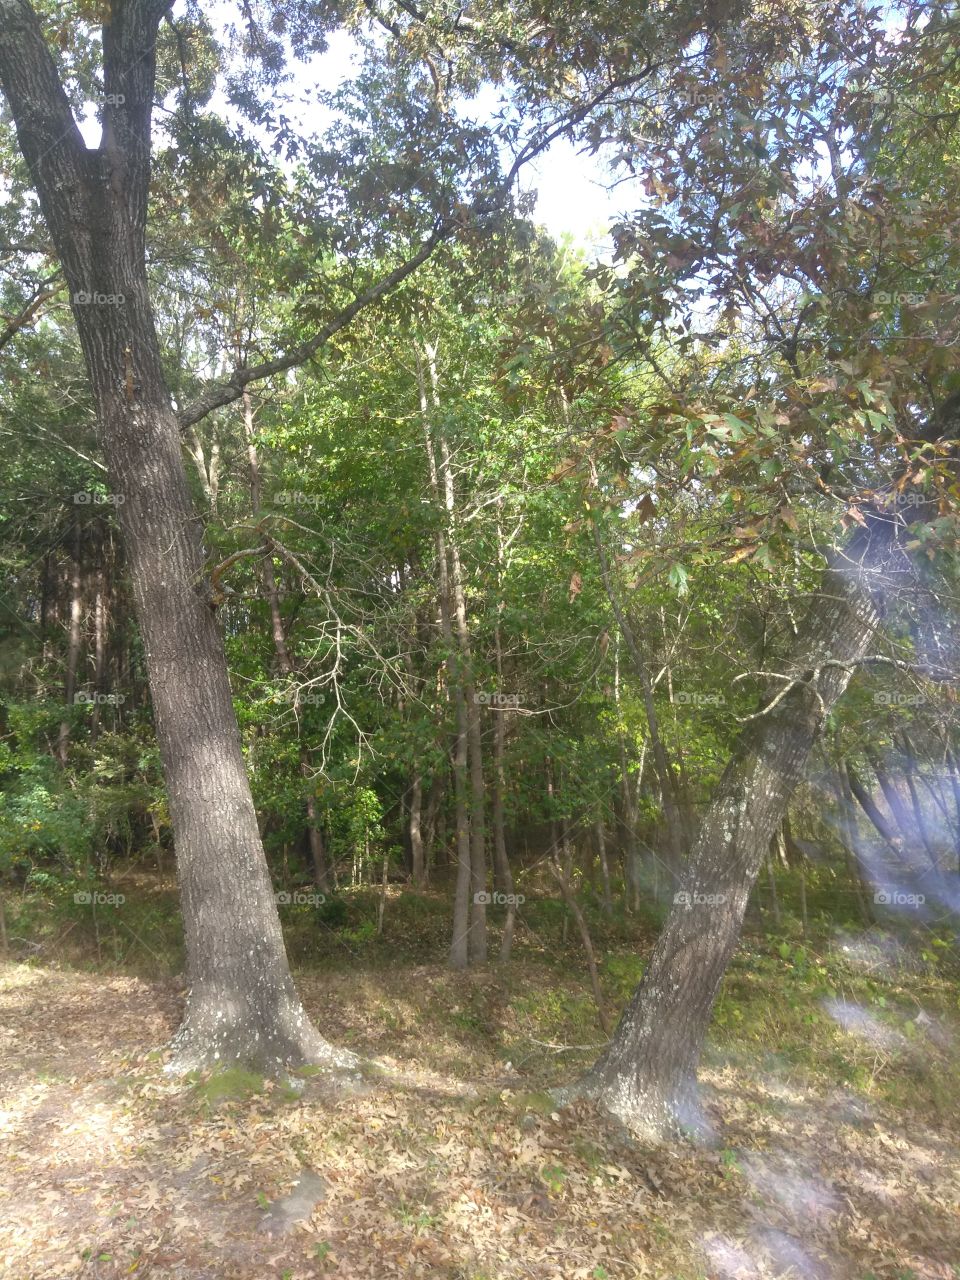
[110, 1170]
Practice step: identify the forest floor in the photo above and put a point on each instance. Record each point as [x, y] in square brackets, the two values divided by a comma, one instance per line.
[831, 1081]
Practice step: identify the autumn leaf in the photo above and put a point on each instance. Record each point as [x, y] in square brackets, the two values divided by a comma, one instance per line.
[742, 553]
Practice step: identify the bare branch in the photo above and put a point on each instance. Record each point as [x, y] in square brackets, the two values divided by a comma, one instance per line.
[226, 392]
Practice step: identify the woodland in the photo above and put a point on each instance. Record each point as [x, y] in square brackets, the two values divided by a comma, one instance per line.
[479, 738]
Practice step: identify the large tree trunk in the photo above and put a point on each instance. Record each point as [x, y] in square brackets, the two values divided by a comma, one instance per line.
[647, 1075]
[242, 1005]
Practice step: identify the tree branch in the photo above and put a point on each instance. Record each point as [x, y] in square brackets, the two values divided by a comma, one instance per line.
[41, 295]
[231, 389]
[50, 140]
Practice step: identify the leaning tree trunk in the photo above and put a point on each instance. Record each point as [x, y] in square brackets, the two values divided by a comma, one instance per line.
[242, 1005]
[647, 1074]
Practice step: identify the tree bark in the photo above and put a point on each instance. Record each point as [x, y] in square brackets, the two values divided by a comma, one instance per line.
[601, 840]
[459, 943]
[477, 938]
[871, 809]
[100, 616]
[73, 645]
[851, 841]
[647, 1075]
[242, 1005]
[418, 866]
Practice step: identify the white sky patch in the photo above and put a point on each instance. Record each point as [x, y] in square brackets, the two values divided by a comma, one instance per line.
[572, 197]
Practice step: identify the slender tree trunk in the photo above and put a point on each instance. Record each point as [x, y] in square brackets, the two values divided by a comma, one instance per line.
[852, 842]
[562, 874]
[242, 1005]
[459, 945]
[647, 1075]
[501, 860]
[418, 865]
[920, 818]
[99, 642]
[73, 645]
[477, 941]
[601, 839]
[894, 801]
[434, 797]
[446, 490]
[871, 809]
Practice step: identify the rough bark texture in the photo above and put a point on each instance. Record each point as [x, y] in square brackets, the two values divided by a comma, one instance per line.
[242, 1005]
[647, 1075]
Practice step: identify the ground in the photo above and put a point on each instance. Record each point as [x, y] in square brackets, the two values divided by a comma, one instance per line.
[835, 1149]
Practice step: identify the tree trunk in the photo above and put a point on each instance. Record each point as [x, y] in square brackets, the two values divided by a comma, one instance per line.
[468, 707]
[242, 1005]
[503, 875]
[99, 641]
[418, 865]
[477, 938]
[604, 866]
[73, 646]
[459, 944]
[647, 1075]
[871, 809]
[848, 820]
[894, 801]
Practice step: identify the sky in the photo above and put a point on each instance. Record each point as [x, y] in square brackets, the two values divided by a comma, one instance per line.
[571, 198]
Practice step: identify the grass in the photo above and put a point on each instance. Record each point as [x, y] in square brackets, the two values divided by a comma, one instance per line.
[773, 1008]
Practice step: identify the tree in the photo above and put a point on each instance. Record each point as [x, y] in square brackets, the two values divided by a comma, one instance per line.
[242, 1003]
[647, 1074]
